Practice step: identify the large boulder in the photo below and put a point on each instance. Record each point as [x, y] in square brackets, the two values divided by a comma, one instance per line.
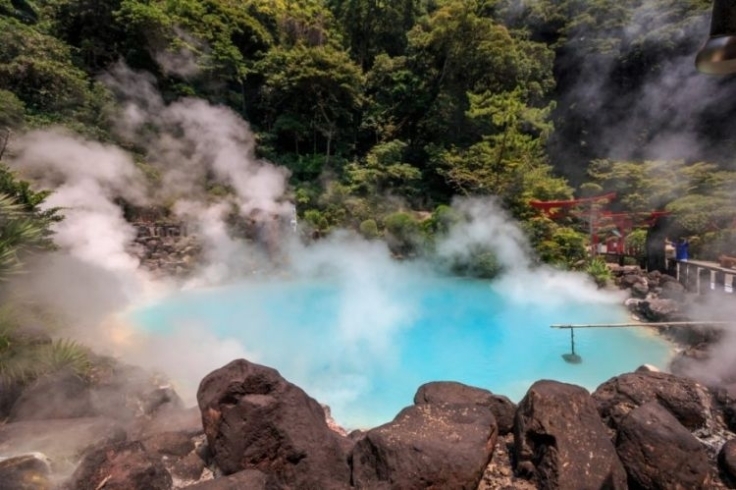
[659, 453]
[26, 472]
[427, 446]
[452, 392]
[56, 396]
[683, 397]
[727, 459]
[179, 453]
[671, 289]
[121, 466]
[660, 310]
[560, 441]
[255, 419]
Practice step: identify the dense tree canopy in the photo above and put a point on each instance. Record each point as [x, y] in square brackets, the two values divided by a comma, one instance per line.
[379, 108]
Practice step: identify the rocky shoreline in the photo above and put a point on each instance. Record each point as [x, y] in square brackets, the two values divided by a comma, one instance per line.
[124, 429]
[659, 298]
[253, 429]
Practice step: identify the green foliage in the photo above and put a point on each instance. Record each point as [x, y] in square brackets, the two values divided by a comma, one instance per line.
[715, 244]
[383, 170]
[38, 69]
[555, 243]
[642, 186]
[636, 240]
[480, 262]
[22, 10]
[599, 271]
[20, 234]
[373, 28]
[421, 97]
[369, 229]
[12, 110]
[310, 97]
[63, 354]
[403, 233]
[700, 196]
[26, 355]
[381, 110]
[443, 219]
[27, 204]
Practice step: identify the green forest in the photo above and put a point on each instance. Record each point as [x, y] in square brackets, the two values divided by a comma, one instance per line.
[383, 112]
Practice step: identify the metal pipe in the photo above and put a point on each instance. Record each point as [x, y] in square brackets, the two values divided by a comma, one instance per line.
[638, 324]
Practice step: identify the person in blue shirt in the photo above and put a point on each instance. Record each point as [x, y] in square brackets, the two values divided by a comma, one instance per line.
[682, 249]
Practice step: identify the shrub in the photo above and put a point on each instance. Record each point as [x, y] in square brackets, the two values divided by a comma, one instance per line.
[369, 229]
[599, 271]
[480, 262]
[404, 233]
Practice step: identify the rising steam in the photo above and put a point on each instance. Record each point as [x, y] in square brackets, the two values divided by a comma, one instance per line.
[194, 145]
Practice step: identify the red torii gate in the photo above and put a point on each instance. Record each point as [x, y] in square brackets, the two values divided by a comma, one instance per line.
[598, 218]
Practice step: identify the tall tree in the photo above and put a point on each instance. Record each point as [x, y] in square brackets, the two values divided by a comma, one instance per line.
[311, 96]
[374, 27]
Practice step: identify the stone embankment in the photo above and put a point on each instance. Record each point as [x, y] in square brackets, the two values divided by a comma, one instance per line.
[254, 429]
[166, 249]
[660, 298]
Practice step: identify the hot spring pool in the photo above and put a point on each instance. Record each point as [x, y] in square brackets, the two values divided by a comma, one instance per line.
[365, 350]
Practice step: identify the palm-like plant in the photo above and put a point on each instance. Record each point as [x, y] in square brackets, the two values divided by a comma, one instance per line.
[20, 233]
[25, 228]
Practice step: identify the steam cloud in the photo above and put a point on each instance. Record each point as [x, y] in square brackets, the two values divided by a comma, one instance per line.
[193, 145]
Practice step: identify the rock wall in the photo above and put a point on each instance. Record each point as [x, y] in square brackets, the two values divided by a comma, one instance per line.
[166, 249]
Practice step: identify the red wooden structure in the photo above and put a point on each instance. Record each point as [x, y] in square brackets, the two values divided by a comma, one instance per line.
[618, 225]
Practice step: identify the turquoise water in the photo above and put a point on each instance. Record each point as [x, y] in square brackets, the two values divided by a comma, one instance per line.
[365, 349]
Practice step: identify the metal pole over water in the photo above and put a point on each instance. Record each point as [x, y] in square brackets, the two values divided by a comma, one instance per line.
[573, 358]
[639, 324]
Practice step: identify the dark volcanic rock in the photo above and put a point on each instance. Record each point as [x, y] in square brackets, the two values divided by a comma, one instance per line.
[188, 421]
[169, 443]
[255, 419]
[27, 472]
[660, 310]
[178, 452]
[560, 440]
[640, 290]
[123, 466]
[659, 453]
[243, 480]
[451, 392]
[671, 289]
[427, 446]
[189, 467]
[727, 459]
[127, 392]
[729, 416]
[629, 280]
[682, 397]
[504, 410]
[58, 396]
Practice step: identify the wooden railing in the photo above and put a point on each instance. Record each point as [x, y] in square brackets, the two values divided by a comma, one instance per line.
[703, 277]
